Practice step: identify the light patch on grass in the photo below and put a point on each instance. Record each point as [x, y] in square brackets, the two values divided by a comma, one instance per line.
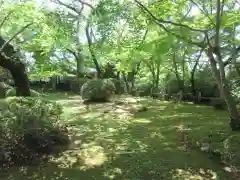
[92, 115]
[157, 135]
[189, 174]
[141, 120]
[113, 173]
[93, 156]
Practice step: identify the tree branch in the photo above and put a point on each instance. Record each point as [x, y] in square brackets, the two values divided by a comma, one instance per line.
[14, 36]
[160, 21]
[204, 11]
[216, 46]
[94, 58]
[70, 7]
[223, 3]
[67, 6]
[5, 18]
[73, 53]
[187, 13]
[167, 22]
[218, 23]
[85, 3]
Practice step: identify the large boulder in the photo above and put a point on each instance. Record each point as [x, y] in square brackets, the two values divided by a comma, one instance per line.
[97, 90]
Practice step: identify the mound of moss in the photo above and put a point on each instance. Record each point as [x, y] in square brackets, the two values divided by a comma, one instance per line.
[97, 90]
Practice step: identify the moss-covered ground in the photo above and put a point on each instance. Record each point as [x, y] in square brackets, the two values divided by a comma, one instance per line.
[114, 141]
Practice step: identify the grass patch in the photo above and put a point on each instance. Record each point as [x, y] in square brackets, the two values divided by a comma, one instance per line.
[114, 141]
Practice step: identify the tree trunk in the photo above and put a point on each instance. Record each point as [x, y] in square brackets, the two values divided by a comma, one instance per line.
[80, 68]
[225, 91]
[53, 83]
[19, 75]
[192, 80]
[126, 81]
[180, 84]
[16, 68]
[157, 75]
[89, 39]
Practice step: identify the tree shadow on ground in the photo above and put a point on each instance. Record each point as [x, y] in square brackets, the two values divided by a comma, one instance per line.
[134, 146]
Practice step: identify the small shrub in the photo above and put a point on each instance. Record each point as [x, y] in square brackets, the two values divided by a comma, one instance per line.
[144, 89]
[156, 93]
[30, 130]
[119, 85]
[188, 97]
[97, 90]
[134, 92]
[77, 84]
[218, 103]
[3, 89]
[12, 92]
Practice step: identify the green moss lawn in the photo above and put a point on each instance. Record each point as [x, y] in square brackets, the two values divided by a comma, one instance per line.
[113, 141]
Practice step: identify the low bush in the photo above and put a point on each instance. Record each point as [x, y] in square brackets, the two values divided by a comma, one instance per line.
[97, 90]
[218, 103]
[144, 89]
[12, 92]
[3, 89]
[77, 84]
[119, 85]
[30, 130]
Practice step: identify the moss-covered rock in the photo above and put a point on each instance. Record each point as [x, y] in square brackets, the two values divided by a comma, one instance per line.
[97, 90]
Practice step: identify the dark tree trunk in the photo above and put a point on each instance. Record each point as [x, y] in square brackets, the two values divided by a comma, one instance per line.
[192, 80]
[16, 68]
[126, 81]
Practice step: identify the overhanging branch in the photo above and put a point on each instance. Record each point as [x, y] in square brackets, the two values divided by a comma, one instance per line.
[85, 3]
[73, 53]
[5, 18]
[79, 12]
[160, 22]
[14, 36]
[204, 11]
[167, 22]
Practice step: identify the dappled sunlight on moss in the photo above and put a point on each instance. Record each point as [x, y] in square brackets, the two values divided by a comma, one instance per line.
[157, 134]
[88, 156]
[190, 174]
[141, 120]
[113, 173]
[92, 115]
[114, 141]
[179, 115]
[93, 156]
